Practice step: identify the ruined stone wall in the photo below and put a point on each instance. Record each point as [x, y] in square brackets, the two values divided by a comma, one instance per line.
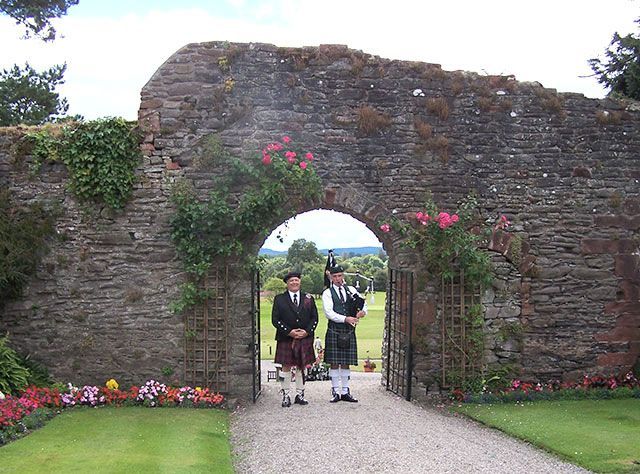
[564, 168]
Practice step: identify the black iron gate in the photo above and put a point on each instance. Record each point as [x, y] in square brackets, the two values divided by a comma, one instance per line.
[255, 330]
[399, 328]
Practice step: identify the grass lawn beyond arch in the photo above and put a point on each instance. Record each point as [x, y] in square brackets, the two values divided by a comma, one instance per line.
[370, 331]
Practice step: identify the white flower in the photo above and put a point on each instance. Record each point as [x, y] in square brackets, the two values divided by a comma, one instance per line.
[1, 396]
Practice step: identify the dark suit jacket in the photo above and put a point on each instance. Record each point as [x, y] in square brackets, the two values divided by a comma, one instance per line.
[285, 316]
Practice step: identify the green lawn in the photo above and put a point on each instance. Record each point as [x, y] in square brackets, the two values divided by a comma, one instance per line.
[129, 439]
[600, 435]
[369, 331]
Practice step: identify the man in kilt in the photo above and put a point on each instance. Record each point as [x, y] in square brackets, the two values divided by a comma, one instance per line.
[295, 318]
[341, 347]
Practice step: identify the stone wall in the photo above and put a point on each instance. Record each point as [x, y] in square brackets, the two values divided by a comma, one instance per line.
[564, 168]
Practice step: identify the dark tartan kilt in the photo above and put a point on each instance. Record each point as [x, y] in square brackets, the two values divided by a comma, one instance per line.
[332, 353]
[285, 354]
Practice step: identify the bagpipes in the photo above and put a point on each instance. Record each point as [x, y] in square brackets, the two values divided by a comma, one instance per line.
[354, 303]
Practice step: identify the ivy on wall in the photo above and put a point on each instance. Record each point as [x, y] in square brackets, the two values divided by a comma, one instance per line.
[101, 156]
[250, 197]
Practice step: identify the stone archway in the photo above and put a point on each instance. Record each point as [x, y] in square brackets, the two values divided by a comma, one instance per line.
[386, 132]
[563, 167]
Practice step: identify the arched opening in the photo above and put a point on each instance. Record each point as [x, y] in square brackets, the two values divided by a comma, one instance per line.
[303, 244]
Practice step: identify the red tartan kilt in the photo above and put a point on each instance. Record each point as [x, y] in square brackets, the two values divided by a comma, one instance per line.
[285, 354]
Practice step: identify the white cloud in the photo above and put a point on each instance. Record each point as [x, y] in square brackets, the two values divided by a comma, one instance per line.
[111, 58]
[328, 229]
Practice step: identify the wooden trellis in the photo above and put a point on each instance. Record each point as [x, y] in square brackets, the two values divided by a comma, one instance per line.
[206, 335]
[460, 359]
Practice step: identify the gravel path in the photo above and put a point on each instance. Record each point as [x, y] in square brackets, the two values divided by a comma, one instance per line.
[382, 433]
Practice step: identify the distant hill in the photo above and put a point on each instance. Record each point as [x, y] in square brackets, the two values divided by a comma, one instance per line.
[338, 251]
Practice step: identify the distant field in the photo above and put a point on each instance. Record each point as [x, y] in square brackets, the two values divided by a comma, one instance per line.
[369, 331]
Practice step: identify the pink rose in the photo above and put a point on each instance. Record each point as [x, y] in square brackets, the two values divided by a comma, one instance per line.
[266, 159]
[309, 156]
[286, 139]
[303, 165]
[385, 228]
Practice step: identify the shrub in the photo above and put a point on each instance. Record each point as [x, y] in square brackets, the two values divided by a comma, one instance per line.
[13, 375]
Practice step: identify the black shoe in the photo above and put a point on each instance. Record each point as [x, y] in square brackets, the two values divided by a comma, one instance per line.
[335, 397]
[346, 397]
[299, 400]
[286, 401]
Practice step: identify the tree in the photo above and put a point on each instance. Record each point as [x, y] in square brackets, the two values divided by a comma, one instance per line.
[620, 71]
[36, 15]
[29, 97]
[273, 267]
[302, 252]
[313, 278]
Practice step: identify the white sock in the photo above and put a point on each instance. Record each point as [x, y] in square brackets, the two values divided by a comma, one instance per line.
[285, 383]
[335, 378]
[345, 375]
[299, 383]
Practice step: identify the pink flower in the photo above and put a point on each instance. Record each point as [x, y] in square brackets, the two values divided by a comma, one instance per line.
[290, 156]
[503, 223]
[266, 159]
[309, 156]
[385, 228]
[274, 147]
[303, 165]
[286, 139]
[455, 218]
[422, 217]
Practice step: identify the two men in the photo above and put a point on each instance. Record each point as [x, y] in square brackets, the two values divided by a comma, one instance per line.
[295, 317]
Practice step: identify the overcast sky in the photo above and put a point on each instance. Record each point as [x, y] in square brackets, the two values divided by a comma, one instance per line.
[112, 48]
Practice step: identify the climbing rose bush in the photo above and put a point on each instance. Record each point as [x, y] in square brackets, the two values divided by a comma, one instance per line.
[448, 240]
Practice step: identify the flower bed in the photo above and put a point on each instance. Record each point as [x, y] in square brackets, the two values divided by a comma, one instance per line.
[29, 410]
[597, 387]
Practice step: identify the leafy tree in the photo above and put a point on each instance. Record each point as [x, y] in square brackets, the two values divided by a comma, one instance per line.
[36, 15]
[273, 267]
[312, 280]
[301, 252]
[29, 97]
[276, 285]
[620, 70]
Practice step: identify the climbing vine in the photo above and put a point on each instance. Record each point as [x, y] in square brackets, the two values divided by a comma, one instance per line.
[448, 242]
[101, 156]
[451, 243]
[253, 196]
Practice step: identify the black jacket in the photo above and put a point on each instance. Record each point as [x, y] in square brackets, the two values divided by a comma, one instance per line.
[285, 316]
